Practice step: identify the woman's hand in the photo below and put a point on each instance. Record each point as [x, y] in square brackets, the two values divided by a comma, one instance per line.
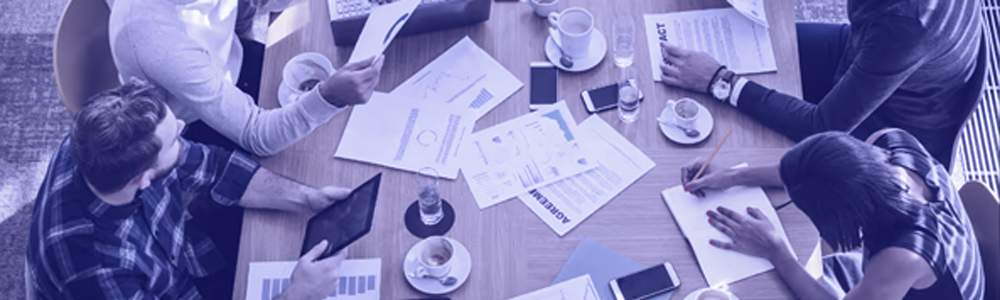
[753, 235]
[686, 69]
[710, 179]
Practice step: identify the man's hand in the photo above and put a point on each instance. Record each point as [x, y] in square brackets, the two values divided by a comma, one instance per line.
[320, 198]
[710, 179]
[686, 69]
[314, 279]
[752, 235]
[353, 83]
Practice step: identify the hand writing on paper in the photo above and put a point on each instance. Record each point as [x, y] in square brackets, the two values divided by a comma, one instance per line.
[710, 179]
[752, 235]
[314, 279]
[354, 83]
[686, 69]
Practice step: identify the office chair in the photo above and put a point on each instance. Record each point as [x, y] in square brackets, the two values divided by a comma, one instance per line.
[973, 95]
[81, 53]
[983, 208]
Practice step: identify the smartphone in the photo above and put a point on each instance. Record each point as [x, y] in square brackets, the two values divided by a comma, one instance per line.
[649, 282]
[544, 85]
[602, 98]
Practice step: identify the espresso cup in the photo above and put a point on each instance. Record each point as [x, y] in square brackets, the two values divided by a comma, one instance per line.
[301, 74]
[543, 7]
[685, 112]
[434, 258]
[714, 294]
[571, 29]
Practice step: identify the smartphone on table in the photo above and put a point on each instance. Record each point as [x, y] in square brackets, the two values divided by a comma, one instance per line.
[544, 85]
[602, 98]
[646, 283]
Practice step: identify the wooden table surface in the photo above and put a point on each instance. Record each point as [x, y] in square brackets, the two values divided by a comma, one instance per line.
[513, 251]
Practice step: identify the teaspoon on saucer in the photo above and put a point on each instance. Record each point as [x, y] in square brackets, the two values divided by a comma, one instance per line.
[444, 280]
[689, 132]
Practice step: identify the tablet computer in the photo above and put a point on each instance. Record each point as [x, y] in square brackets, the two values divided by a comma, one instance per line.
[345, 221]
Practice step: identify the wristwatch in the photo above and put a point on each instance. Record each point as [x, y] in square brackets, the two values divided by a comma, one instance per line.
[722, 88]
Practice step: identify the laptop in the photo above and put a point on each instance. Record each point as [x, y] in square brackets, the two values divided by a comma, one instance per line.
[344, 221]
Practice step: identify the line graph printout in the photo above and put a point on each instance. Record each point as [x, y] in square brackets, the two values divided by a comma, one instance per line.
[360, 279]
[464, 76]
[579, 288]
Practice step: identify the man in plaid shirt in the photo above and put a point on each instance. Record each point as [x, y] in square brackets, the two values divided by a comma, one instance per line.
[109, 221]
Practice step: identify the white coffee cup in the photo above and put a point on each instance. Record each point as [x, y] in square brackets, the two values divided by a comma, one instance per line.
[543, 7]
[714, 294]
[685, 112]
[301, 74]
[572, 31]
[434, 257]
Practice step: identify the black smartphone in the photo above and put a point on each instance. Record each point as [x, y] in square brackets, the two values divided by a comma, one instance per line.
[602, 98]
[544, 85]
[647, 283]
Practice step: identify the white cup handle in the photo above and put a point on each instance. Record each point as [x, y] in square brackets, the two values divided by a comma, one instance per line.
[554, 19]
[555, 36]
[421, 271]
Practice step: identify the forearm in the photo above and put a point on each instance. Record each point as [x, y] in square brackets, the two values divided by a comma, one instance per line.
[270, 131]
[269, 190]
[764, 175]
[798, 280]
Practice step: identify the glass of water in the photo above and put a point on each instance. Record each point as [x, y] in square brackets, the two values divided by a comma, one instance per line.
[623, 40]
[628, 95]
[429, 199]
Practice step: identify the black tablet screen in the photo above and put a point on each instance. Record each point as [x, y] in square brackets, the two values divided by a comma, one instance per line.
[345, 221]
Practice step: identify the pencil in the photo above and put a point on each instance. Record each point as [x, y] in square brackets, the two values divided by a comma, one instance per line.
[717, 147]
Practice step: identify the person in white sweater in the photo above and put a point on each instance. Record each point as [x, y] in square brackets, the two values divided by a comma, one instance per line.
[189, 48]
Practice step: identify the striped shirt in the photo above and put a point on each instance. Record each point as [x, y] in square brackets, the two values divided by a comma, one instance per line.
[80, 247]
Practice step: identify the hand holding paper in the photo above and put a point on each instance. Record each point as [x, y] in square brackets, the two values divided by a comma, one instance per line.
[383, 24]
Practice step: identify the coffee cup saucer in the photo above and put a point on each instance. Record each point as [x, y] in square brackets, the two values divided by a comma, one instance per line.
[460, 269]
[598, 48]
[697, 293]
[704, 126]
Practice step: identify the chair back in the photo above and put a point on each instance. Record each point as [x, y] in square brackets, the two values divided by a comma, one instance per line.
[81, 53]
[983, 208]
[970, 98]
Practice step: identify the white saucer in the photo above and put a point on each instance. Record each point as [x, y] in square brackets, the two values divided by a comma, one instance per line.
[460, 269]
[704, 126]
[694, 295]
[598, 48]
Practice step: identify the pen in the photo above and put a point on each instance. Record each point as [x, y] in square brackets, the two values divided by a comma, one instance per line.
[717, 147]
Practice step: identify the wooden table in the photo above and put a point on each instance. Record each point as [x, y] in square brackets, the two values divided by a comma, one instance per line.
[513, 251]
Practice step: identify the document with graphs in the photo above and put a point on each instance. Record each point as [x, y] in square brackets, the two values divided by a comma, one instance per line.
[360, 279]
[464, 76]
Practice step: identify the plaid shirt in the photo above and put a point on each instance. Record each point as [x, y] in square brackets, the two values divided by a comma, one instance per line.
[83, 248]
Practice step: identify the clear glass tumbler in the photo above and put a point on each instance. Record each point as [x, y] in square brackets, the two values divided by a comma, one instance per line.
[623, 40]
[628, 95]
[429, 199]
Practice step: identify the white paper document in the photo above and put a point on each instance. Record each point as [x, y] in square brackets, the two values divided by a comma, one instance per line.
[360, 279]
[725, 34]
[720, 265]
[579, 288]
[522, 154]
[404, 134]
[465, 76]
[566, 203]
[384, 22]
[752, 9]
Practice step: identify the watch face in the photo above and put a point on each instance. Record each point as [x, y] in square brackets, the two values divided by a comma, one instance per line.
[721, 90]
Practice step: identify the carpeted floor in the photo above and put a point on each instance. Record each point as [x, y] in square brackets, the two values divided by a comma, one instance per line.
[33, 120]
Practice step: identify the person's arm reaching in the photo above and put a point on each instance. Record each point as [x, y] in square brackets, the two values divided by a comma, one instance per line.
[767, 175]
[269, 190]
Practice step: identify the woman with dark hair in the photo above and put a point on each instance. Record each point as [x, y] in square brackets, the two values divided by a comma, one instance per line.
[889, 206]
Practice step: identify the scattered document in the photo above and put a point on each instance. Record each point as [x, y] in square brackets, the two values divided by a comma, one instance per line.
[522, 154]
[603, 265]
[752, 9]
[360, 279]
[579, 288]
[464, 76]
[406, 135]
[384, 22]
[725, 34]
[720, 265]
[566, 203]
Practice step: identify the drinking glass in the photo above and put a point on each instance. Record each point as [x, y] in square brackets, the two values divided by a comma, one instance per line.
[628, 95]
[429, 199]
[623, 40]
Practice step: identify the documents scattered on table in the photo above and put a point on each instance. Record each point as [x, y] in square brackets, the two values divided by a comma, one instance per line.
[603, 265]
[566, 203]
[360, 279]
[720, 265]
[465, 76]
[383, 24]
[522, 154]
[752, 9]
[404, 134]
[724, 33]
[581, 288]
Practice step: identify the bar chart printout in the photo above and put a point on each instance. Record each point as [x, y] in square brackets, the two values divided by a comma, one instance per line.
[360, 279]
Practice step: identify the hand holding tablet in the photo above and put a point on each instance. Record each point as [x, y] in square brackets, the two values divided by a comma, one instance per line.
[344, 221]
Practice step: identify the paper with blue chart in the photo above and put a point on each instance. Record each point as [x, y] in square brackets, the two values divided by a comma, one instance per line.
[522, 154]
[579, 288]
[464, 76]
[360, 279]
[383, 23]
